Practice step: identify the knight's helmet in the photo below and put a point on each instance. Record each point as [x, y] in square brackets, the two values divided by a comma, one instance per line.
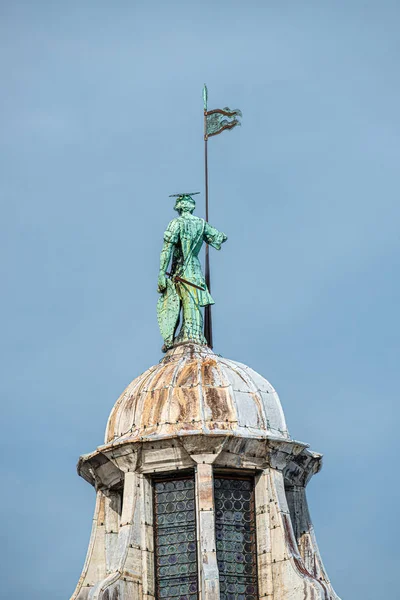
[201, 490]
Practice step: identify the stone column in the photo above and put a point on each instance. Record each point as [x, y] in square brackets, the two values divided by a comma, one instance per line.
[305, 535]
[264, 551]
[207, 555]
[112, 524]
[281, 567]
[95, 565]
[147, 536]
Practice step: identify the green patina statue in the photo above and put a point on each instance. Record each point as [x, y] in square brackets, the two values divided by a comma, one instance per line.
[185, 288]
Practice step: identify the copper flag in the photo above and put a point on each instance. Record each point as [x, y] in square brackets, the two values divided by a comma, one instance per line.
[218, 120]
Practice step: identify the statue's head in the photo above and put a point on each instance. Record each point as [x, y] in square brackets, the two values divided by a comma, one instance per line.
[185, 203]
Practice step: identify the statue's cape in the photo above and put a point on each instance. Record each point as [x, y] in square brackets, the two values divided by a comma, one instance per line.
[168, 307]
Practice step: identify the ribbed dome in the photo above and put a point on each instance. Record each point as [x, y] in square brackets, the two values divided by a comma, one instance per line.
[192, 391]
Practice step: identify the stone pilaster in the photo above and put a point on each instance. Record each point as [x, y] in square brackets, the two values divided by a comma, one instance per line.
[207, 555]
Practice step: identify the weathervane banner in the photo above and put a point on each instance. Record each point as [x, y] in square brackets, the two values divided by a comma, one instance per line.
[219, 119]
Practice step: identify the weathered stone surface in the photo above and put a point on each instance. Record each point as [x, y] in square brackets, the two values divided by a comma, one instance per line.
[192, 390]
[209, 578]
[197, 411]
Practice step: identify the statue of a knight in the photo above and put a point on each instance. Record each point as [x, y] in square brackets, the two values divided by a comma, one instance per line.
[184, 288]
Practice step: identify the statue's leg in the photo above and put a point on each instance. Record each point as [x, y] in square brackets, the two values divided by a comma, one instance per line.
[192, 316]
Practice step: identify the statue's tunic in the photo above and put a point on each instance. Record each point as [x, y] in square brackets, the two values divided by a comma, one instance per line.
[187, 234]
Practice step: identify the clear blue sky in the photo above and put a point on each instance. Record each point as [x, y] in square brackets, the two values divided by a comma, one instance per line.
[101, 119]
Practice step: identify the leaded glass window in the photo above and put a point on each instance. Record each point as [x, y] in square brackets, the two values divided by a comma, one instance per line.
[175, 539]
[236, 537]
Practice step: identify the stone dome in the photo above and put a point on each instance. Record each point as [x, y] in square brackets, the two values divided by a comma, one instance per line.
[191, 391]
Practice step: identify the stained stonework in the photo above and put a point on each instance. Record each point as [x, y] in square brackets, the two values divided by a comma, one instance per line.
[200, 414]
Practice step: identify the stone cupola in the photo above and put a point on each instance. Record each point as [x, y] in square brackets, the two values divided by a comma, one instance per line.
[201, 490]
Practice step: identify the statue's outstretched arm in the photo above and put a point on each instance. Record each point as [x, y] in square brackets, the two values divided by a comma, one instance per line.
[165, 258]
[213, 237]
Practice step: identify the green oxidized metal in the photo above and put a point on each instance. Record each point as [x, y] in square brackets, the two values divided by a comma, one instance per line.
[220, 119]
[205, 96]
[186, 292]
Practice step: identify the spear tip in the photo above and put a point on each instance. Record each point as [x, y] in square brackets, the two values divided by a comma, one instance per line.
[205, 96]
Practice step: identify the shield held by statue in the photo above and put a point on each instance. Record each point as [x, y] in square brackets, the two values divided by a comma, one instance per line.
[168, 308]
